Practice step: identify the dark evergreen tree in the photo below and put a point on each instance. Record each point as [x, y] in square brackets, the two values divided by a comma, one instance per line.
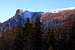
[36, 35]
[18, 44]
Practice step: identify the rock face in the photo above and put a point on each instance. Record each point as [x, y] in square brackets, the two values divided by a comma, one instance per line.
[38, 30]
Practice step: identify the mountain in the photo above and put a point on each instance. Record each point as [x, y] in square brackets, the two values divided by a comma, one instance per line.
[37, 26]
[47, 18]
[19, 19]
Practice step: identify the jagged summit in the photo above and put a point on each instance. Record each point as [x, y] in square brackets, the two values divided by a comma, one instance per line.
[19, 11]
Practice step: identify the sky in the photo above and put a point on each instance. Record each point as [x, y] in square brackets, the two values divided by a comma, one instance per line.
[9, 7]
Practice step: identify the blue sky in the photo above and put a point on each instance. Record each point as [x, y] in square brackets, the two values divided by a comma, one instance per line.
[8, 7]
